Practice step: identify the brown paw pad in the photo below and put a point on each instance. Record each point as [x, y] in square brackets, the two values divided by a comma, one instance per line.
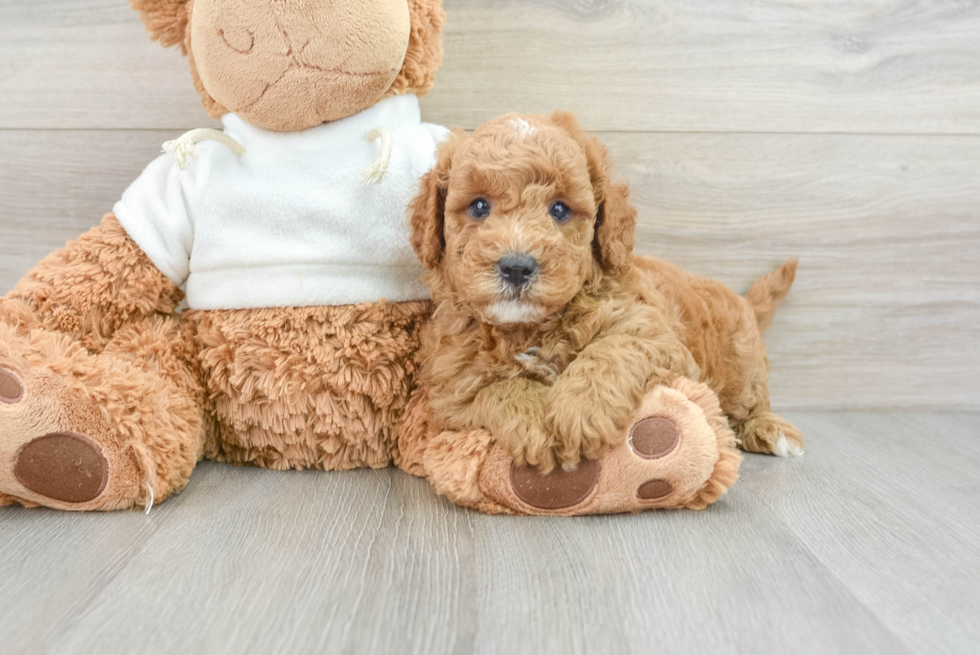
[64, 466]
[556, 490]
[654, 437]
[11, 390]
[653, 489]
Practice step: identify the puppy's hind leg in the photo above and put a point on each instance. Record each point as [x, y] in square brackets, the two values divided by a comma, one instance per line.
[766, 432]
[758, 429]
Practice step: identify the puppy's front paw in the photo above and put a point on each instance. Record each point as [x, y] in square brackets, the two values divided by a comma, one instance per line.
[527, 442]
[582, 424]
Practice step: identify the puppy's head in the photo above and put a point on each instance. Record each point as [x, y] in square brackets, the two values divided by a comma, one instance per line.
[516, 218]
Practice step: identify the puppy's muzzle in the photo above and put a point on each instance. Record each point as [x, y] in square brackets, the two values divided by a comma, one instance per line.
[517, 270]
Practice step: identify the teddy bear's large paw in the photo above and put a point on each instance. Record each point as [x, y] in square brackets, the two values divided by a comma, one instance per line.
[45, 455]
[678, 452]
[57, 447]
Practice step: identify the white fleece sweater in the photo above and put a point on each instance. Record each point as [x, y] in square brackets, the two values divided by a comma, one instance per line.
[289, 222]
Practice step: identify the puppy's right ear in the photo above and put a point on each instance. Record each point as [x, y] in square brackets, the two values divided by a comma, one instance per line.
[428, 209]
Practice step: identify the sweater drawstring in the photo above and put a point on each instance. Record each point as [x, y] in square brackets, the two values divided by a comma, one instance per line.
[184, 151]
[376, 173]
[183, 147]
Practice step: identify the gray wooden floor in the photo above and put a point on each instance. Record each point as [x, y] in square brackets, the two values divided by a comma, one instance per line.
[869, 543]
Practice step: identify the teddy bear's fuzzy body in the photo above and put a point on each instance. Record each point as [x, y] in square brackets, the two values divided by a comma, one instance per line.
[307, 387]
[118, 394]
[90, 333]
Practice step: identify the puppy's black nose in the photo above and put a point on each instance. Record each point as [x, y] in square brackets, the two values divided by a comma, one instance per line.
[517, 270]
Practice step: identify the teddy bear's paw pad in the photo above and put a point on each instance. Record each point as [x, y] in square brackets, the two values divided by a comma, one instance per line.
[64, 466]
[11, 390]
[556, 490]
[654, 489]
[654, 437]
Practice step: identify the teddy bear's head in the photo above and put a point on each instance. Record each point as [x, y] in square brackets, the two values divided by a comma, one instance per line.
[292, 64]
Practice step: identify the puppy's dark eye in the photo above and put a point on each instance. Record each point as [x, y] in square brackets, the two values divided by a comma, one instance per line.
[479, 209]
[560, 212]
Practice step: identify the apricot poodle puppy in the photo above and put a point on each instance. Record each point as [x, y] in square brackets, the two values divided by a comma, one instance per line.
[546, 330]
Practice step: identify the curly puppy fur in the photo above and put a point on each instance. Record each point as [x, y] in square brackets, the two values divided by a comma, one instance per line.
[555, 366]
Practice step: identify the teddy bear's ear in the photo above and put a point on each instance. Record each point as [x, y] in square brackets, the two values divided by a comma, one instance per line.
[165, 20]
[424, 55]
[428, 209]
[615, 222]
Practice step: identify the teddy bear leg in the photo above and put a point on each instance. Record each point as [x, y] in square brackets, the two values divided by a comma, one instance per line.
[107, 431]
[678, 452]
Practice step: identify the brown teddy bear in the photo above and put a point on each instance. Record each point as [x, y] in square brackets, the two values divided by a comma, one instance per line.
[286, 357]
[285, 234]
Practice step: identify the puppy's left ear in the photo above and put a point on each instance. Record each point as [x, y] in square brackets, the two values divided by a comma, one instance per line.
[428, 209]
[615, 228]
[615, 222]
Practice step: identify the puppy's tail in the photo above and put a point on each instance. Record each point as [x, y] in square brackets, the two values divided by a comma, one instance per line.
[766, 292]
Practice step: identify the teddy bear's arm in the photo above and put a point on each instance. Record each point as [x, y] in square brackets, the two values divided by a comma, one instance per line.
[93, 285]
